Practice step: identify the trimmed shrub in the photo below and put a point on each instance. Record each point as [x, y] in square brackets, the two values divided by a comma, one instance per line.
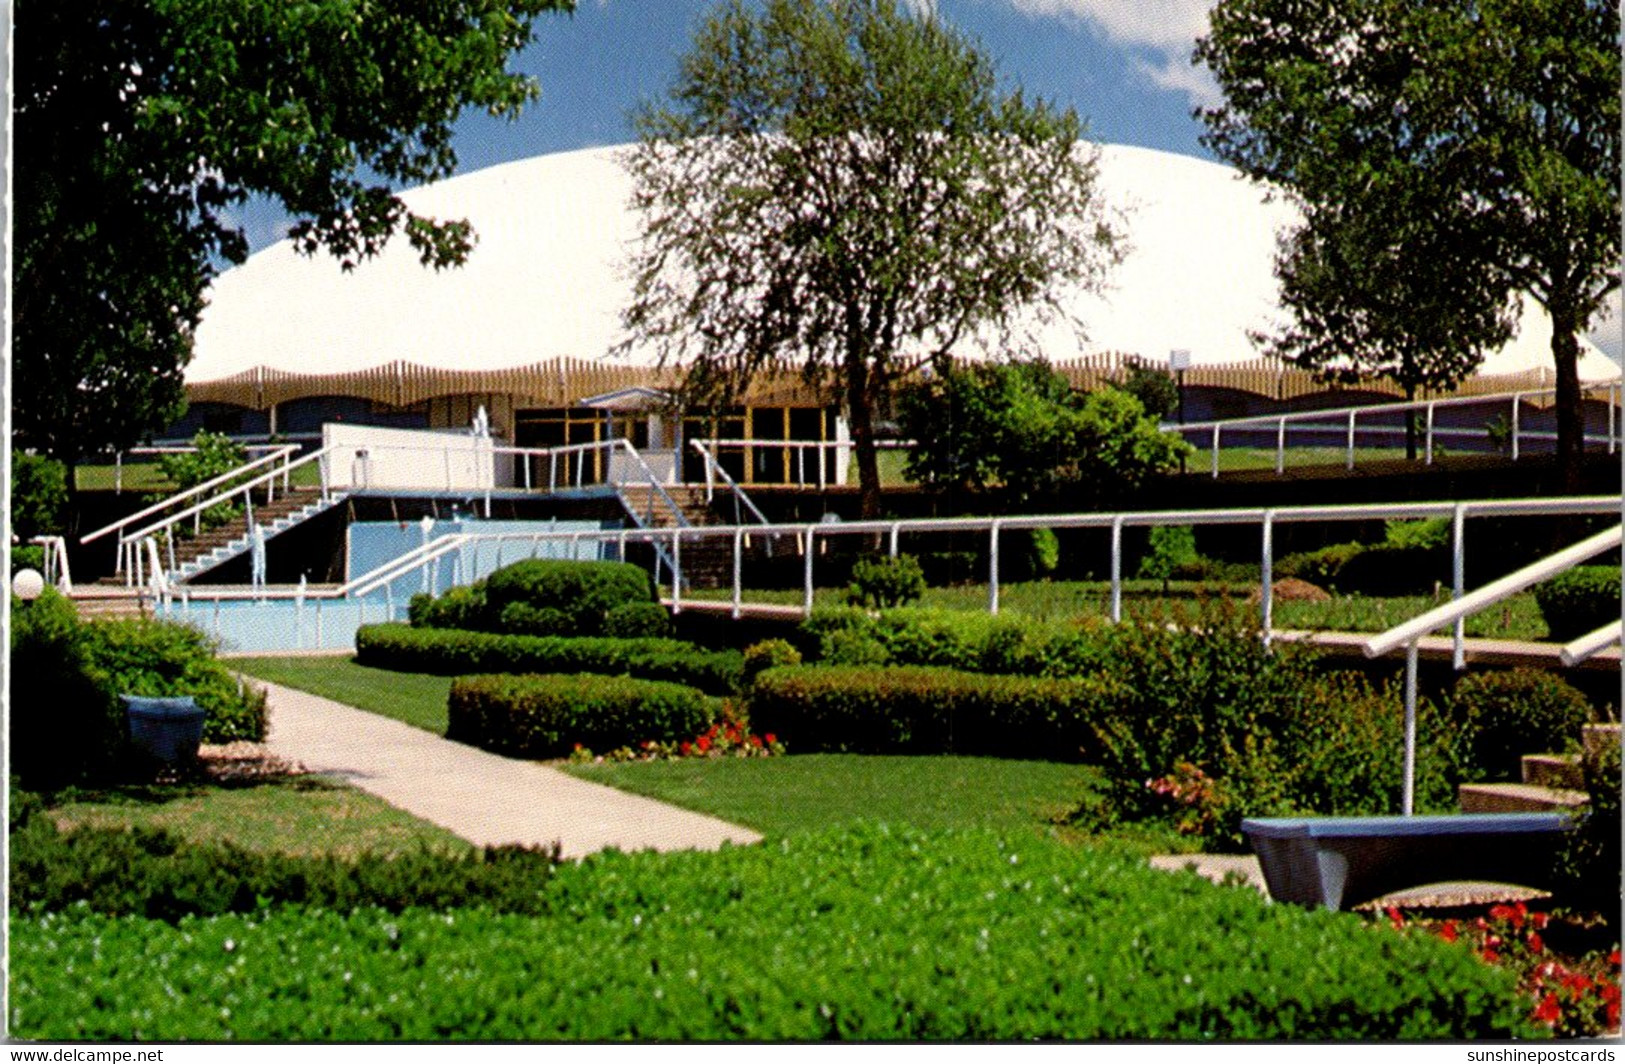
[545, 716]
[1504, 715]
[66, 724]
[1171, 548]
[459, 607]
[584, 592]
[521, 618]
[1579, 601]
[868, 933]
[151, 873]
[768, 654]
[919, 710]
[885, 582]
[638, 620]
[451, 652]
[164, 659]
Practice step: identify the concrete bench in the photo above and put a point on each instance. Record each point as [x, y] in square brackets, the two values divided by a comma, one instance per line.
[1338, 862]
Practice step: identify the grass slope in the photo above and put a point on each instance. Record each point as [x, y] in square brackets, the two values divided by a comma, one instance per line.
[291, 815]
[412, 698]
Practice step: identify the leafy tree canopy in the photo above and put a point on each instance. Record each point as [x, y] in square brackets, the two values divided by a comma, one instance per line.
[140, 127]
[1448, 154]
[841, 186]
[1020, 427]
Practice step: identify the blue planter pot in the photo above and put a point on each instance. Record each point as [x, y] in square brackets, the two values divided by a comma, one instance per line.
[167, 729]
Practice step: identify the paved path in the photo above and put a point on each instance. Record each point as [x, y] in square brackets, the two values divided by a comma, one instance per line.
[486, 799]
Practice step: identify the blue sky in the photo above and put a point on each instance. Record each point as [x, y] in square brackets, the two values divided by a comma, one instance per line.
[1123, 65]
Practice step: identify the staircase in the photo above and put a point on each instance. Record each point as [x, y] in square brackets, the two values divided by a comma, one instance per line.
[705, 562]
[109, 599]
[214, 546]
[1551, 782]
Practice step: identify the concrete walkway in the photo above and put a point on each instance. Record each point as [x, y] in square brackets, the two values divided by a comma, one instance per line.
[486, 799]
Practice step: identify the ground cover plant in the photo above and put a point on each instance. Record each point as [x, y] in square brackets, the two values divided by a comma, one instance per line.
[1004, 938]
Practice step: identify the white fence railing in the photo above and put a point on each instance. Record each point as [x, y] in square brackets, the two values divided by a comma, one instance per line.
[1345, 422]
[808, 539]
[1410, 633]
[57, 574]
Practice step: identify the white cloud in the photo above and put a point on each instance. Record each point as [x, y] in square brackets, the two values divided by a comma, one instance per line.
[1166, 30]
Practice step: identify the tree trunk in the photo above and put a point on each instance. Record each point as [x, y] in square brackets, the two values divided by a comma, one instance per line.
[861, 410]
[1570, 412]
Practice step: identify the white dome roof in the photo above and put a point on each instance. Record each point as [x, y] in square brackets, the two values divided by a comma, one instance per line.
[548, 278]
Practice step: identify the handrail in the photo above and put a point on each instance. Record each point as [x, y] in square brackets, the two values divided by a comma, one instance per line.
[57, 574]
[1591, 643]
[712, 466]
[1492, 593]
[1410, 633]
[654, 482]
[225, 496]
[281, 452]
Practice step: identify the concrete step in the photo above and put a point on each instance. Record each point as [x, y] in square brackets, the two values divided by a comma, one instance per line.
[1597, 737]
[1517, 798]
[1553, 770]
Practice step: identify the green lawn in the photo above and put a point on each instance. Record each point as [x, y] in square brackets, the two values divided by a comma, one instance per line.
[293, 815]
[413, 698]
[783, 795]
[1516, 618]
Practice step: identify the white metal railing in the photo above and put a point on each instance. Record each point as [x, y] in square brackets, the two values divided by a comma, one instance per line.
[1592, 643]
[129, 552]
[283, 455]
[808, 537]
[713, 470]
[1349, 426]
[181, 448]
[57, 573]
[1410, 633]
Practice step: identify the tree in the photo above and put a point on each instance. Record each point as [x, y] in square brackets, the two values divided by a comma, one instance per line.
[140, 127]
[1449, 154]
[1020, 427]
[840, 186]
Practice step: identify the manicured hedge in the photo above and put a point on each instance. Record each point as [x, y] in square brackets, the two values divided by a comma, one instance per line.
[923, 710]
[959, 639]
[151, 873]
[1579, 601]
[864, 933]
[546, 716]
[141, 656]
[452, 652]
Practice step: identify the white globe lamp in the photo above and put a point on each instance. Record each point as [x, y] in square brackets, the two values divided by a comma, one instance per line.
[27, 584]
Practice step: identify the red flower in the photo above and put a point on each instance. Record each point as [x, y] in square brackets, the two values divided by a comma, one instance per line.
[1577, 983]
[704, 743]
[1613, 958]
[1395, 917]
[1548, 1011]
[771, 740]
[1514, 913]
[1539, 920]
[1534, 942]
[1448, 931]
[1489, 955]
[685, 747]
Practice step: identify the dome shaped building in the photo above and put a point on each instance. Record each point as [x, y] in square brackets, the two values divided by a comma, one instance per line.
[527, 327]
